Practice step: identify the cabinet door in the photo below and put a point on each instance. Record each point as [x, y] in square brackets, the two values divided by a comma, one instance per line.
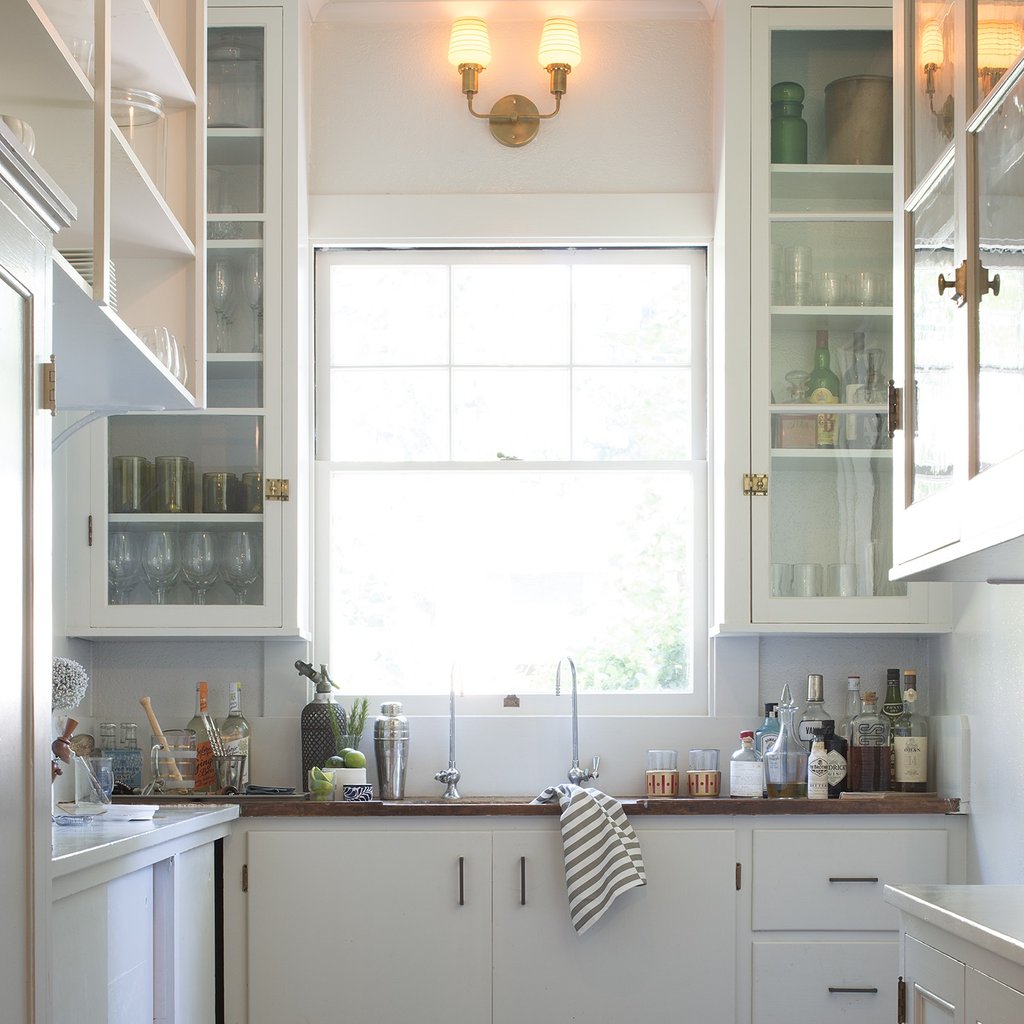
[821, 319]
[370, 926]
[664, 946]
[991, 1002]
[935, 985]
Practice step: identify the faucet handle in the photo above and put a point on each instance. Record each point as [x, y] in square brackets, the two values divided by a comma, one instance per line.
[595, 764]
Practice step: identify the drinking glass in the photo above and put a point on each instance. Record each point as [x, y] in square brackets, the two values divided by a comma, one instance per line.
[123, 565]
[254, 293]
[160, 563]
[222, 286]
[199, 564]
[241, 562]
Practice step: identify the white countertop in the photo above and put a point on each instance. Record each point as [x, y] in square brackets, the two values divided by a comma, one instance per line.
[76, 847]
[989, 916]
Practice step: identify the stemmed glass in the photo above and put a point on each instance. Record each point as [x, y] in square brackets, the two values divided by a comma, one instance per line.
[160, 563]
[123, 565]
[254, 293]
[241, 562]
[199, 564]
[222, 285]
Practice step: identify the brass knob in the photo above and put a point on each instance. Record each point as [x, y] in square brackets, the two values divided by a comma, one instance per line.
[944, 284]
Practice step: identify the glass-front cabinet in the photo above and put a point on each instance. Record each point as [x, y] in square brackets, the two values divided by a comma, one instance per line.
[960, 287]
[188, 521]
[821, 320]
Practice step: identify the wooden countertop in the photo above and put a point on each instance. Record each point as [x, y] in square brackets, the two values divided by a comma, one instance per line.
[520, 806]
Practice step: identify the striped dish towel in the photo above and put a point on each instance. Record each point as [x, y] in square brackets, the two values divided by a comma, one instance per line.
[602, 852]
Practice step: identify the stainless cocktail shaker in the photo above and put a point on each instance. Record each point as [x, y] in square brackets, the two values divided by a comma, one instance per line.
[391, 748]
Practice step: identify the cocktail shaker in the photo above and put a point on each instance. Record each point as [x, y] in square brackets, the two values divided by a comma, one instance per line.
[391, 748]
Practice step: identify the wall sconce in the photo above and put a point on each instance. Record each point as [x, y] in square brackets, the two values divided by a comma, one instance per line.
[932, 56]
[514, 119]
[999, 45]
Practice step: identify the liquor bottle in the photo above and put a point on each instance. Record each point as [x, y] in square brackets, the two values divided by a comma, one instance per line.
[234, 730]
[892, 707]
[869, 766]
[746, 773]
[852, 707]
[815, 715]
[873, 429]
[200, 725]
[817, 768]
[766, 734]
[910, 742]
[785, 764]
[853, 379]
[823, 387]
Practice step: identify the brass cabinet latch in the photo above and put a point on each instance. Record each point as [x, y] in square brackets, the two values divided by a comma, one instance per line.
[958, 284]
[755, 484]
[245, 878]
[895, 408]
[277, 490]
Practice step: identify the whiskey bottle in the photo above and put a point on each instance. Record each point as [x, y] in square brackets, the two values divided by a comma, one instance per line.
[869, 766]
[910, 742]
[823, 387]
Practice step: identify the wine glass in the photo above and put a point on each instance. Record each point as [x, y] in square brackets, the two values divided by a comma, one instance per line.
[241, 562]
[160, 563]
[222, 286]
[123, 566]
[199, 564]
[254, 293]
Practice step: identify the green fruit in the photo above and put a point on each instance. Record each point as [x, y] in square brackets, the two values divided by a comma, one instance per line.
[355, 759]
[335, 761]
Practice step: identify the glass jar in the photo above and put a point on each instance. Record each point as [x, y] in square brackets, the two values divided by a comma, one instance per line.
[234, 86]
[140, 116]
[789, 129]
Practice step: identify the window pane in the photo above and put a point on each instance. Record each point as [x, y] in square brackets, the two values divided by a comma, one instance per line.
[506, 571]
[522, 413]
[631, 414]
[415, 425]
[389, 315]
[631, 315]
[510, 315]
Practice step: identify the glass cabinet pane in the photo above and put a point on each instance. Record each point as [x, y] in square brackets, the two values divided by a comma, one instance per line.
[999, 41]
[930, 82]
[1000, 368]
[937, 335]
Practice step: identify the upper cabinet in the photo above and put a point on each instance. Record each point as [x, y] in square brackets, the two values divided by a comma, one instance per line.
[108, 92]
[960, 289]
[816, 466]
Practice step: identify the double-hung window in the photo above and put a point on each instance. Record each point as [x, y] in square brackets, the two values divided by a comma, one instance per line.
[511, 469]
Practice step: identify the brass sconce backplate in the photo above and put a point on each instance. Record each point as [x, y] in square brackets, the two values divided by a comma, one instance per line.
[514, 120]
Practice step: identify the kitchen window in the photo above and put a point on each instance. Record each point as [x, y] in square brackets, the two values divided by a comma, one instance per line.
[511, 469]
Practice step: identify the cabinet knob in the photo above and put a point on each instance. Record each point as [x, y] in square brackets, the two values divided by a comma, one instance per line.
[986, 283]
[958, 284]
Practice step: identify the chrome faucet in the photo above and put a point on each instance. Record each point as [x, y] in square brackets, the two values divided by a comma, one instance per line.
[577, 775]
[450, 776]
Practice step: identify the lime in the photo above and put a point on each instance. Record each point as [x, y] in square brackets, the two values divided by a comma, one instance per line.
[335, 761]
[355, 759]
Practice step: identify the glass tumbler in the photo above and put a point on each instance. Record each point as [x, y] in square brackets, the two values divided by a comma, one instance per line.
[175, 483]
[130, 483]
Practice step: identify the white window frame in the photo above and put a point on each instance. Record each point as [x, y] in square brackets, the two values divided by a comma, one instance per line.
[656, 704]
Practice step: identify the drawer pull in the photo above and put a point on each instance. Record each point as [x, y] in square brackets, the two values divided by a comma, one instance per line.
[862, 991]
[522, 881]
[844, 878]
[462, 881]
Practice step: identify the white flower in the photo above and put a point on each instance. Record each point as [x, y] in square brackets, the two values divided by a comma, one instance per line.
[69, 684]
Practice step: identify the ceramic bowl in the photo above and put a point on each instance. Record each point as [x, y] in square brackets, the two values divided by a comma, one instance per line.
[359, 792]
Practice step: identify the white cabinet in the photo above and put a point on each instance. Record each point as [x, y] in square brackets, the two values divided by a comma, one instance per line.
[195, 523]
[934, 985]
[809, 485]
[144, 217]
[960, 201]
[989, 1001]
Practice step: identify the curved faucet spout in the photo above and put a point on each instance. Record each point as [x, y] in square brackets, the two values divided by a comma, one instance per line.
[577, 775]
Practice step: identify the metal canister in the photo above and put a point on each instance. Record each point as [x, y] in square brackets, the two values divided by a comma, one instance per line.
[858, 120]
[391, 748]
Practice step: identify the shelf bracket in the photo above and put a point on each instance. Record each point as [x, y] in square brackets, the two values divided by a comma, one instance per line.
[755, 484]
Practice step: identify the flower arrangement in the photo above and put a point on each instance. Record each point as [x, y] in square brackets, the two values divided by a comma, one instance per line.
[68, 684]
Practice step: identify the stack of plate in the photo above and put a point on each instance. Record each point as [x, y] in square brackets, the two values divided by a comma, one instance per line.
[81, 262]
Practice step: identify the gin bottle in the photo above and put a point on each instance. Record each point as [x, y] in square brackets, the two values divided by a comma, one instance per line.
[766, 733]
[817, 768]
[910, 742]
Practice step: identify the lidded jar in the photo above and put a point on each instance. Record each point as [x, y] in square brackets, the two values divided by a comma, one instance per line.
[789, 129]
[785, 763]
[140, 116]
[234, 85]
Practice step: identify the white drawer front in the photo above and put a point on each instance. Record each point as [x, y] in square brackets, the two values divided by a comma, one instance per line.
[839, 982]
[833, 879]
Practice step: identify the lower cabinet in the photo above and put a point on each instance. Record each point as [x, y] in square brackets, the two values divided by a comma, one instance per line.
[934, 985]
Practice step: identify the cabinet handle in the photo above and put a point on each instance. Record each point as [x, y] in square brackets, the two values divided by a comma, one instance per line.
[522, 881]
[853, 878]
[862, 991]
[462, 881]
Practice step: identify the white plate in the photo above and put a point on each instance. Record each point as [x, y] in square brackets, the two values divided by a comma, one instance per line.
[131, 812]
[70, 808]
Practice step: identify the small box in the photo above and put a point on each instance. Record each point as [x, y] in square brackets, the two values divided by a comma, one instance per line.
[798, 431]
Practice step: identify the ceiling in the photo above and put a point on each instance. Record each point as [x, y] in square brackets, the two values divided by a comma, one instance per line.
[512, 10]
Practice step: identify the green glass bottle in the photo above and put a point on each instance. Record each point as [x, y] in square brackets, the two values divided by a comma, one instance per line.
[789, 129]
[823, 387]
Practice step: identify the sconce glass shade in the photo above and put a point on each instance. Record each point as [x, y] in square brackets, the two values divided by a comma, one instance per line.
[931, 51]
[469, 43]
[560, 43]
[999, 43]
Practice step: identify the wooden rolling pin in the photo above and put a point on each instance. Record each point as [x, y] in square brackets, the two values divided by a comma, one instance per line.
[147, 706]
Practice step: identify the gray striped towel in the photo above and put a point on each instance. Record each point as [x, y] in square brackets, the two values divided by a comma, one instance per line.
[602, 853]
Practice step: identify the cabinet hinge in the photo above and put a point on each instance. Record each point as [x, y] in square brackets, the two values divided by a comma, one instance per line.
[755, 484]
[895, 408]
[50, 385]
[277, 490]
[245, 878]
[90, 531]
[739, 876]
[901, 1002]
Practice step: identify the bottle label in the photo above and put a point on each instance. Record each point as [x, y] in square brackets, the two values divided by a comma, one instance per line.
[817, 776]
[836, 767]
[239, 746]
[205, 777]
[911, 753]
[805, 730]
[823, 396]
[746, 778]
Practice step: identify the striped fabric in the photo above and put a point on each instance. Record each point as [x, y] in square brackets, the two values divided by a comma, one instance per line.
[602, 853]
